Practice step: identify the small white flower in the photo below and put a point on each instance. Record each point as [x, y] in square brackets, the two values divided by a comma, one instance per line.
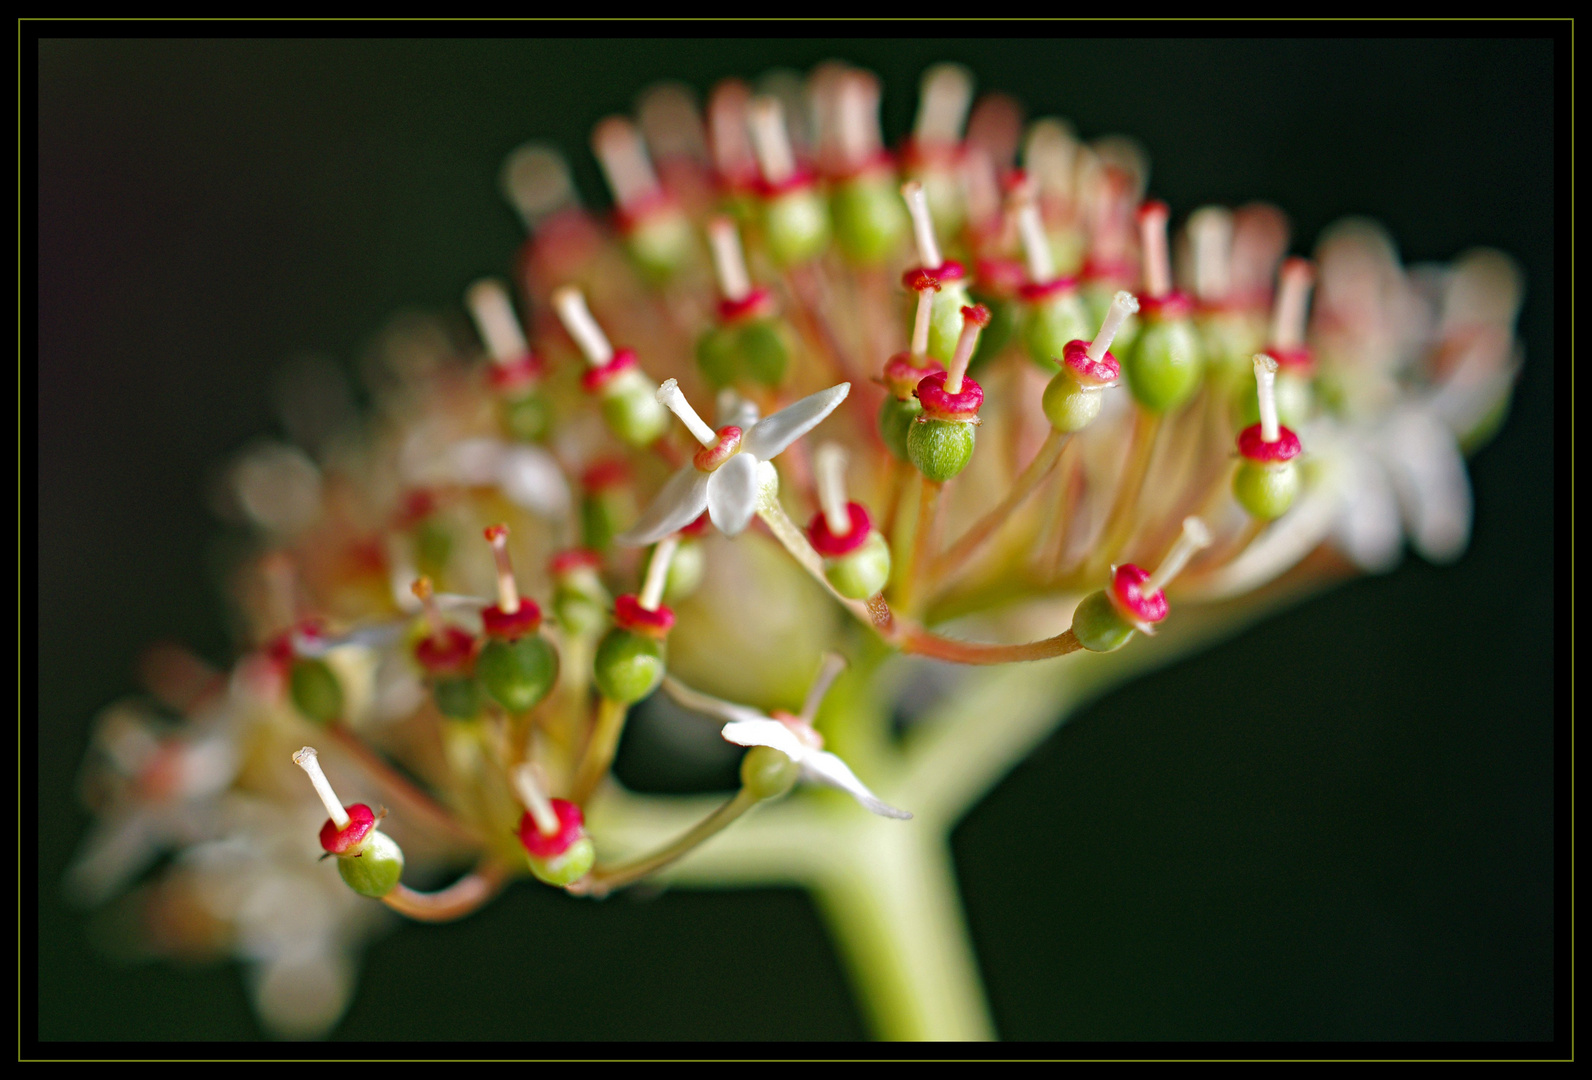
[792, 736]
[728, 492]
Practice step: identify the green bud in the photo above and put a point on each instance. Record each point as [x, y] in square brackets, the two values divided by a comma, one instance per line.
[433, 546]
[895, 419]
[1053, 323]
[945, 320]
[869, 219]
[859, 574]
[939, 449]
[518, 674]
[567, 868]
[315, 690]
[524, 418]
[1163, 368]
[661, 244]
[685, 571]
[600, 518]
[1098, 625]
[1266, 491]
[632, 411]
[765, 351]
[718, 355]
[796, 226]
[1004, 317]
[628, 665]
[1294, 400]
[376, 869]
[1068, 406]
[459, 698]
[578, 613]
[766, 773]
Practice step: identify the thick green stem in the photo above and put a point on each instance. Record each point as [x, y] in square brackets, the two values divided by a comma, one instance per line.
[895, 913]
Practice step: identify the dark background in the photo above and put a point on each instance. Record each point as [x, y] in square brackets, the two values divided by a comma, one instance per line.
[1338, 826]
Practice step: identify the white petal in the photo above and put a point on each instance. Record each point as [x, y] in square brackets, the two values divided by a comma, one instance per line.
[826, 768]
[732, 493]
[1368, 529]
[530, 478]
[697, 701]
[473, 462]
[735, 410]
[680, 502]
[1433, 489]
[774, 433]
[765, 732]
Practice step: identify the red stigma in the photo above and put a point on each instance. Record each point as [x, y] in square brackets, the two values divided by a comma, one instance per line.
[940, 405]
[1038, 292]
[595, 379]
[1087, 371]
[1298, 358]
[919, 279]
[521, 623]
[1128, 595]
[754, 305]
[1174, 305]
[568, 562]
[447, 653]
[831, 546]
[630, 615]
[361, 820]
[711, 457]
[1257, 449]
[516, 375]
[571, 827]
[605, 474]
[978, 315]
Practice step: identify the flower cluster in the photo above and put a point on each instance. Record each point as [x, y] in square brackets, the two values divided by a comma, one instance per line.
[1030, 402]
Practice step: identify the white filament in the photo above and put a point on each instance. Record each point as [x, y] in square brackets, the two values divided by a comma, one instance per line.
[671, 398]
[536, 181]
[857, 118]
[771, 141]
[828, 672]
[494, 320]
[1036, 247]
[577, 319]
[1051, 155]
[947, 91]
[965, 344]
[1194, 538]
[829, 474]
[922, 224]
[528, 785]
[728, 261]
[1266, 388]
[658, 572]
[1211, 230]
[624, 161]
[1293, 295]
[1157, 262]
[508, 592]
[920, 324]
[308, 760]
[1123, 304]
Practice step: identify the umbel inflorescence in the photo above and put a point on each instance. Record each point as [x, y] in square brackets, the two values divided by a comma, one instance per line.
[802, 409]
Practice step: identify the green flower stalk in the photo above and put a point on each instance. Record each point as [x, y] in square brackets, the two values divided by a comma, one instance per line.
[376, 620]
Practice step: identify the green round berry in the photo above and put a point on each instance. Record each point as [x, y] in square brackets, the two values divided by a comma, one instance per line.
[685, 571]
[718, 355]
[895, 419]
[1266, 491]
[766, 773]
[433, 546]
[859, 574]
[579, 613]
[628, 665]
[315, 690]
[765, 351]
[565, 869]
[869, 219]
[517, 674]
[1163, 368]
[632, 411]
[525, 418]
[945, 320]
[796, 226]
[376, 869]
[1051, 324]
[939, 449]
[1294, 400]
[1098, 625]
[660, 245]
[1068, 406]
[459, 698]
[1004, 319]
